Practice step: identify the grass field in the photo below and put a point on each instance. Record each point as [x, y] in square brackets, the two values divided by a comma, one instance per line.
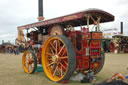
[12, 73]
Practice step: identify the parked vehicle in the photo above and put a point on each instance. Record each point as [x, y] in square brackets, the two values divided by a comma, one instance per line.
[61, 49]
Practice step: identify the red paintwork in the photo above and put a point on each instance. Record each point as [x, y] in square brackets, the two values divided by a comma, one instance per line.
[82, 40]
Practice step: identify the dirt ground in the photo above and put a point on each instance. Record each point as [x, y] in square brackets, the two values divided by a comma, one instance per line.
[11, 71]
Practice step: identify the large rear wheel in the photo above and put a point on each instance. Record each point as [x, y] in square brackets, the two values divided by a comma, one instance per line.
[29, 62]
[58, 58]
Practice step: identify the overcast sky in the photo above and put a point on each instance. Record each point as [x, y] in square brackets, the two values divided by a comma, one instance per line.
[15, 13]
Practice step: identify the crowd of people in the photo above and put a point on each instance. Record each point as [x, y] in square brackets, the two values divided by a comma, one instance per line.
[12, 50]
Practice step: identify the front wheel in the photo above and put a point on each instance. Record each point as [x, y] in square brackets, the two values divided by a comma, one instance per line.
[29, 62]
[58, 58]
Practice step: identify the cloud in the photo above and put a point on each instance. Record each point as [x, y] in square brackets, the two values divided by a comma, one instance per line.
[6, 35]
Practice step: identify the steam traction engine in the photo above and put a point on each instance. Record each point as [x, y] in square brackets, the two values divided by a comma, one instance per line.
[61, 49]
[118, 44]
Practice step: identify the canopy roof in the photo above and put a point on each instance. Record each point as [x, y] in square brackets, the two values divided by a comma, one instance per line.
[76, 19]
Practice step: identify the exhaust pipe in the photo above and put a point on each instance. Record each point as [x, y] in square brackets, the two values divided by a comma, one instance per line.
[121, 28]
[40, 10]
[2, 41]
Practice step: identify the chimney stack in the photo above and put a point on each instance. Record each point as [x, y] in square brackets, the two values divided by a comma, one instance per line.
[121, 28]
[2, 41]
[40, 10]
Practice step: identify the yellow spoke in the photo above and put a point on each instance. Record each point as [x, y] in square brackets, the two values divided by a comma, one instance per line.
[56, 47]
[31, 67]
[61, 49]
[63, 66]
[59, 71]
[28, 68]
[66, 63]
[65, 57]
[55, 70]
[52, 51]
[63, 52]
[27, 65]
[29, 56]
[49, 54]
[50, 59]
[50, 64]
[58, 44]
[26, 59]
[52, 46]
[53, 67]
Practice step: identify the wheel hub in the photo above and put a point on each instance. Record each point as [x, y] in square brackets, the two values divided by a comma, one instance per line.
[55, 58]
[30, 61]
